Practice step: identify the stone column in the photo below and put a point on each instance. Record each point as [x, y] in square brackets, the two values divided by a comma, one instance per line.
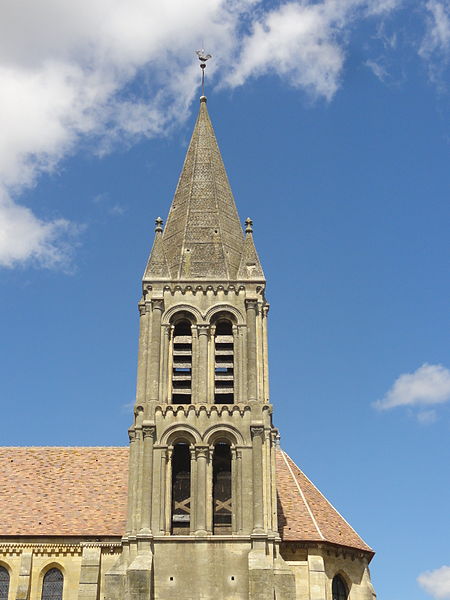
[193, 491]
[273, 450]
[258, 479]
[234, 486]
[239, 491]
[148, 433]
[202, 388]
[142, 354]
[155, 353]
[212, 363]
[162, 491]
[131, 480]
[265, 312]
[237, 381]
[168, 490]
[200, 499]
[252, 365]
[195, 362]
[163, 396]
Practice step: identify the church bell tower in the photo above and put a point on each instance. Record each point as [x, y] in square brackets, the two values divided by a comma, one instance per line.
[202, 503]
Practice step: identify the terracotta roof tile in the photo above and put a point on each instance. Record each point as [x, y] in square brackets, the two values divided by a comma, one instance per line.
[305, 514]
[63, 491]
[53, 491]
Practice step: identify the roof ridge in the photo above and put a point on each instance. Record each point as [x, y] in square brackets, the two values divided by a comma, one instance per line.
[301, 493]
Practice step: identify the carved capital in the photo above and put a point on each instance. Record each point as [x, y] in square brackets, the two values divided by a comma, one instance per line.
[203, 329]
[131, 435]
[148, 431]
[257, 431]
[169, 452]
[142, 309]
[251, 304]
[265, 309]
[202, 452]
[158, 304]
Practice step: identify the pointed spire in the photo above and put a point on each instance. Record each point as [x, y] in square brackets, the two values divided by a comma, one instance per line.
[250, 267]
[203, 237]
[157, 267]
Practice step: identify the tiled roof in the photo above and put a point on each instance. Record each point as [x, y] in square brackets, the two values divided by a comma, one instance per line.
[52, 491]
[305, 514]
[63, 491]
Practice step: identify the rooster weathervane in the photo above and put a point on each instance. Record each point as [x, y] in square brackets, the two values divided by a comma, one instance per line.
[203, 57]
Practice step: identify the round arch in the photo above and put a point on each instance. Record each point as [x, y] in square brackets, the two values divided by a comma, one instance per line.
[186, 310]
[226, 433]
[177, 433]
[235, 314]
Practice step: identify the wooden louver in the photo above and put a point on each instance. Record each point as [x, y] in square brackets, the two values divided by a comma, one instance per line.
[182, 364]
[223, 363]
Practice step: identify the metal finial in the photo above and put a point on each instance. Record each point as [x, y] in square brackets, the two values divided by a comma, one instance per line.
[249, 225]
[158, 225]
[203, 57]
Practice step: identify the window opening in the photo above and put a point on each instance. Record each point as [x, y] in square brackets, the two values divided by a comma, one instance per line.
[52, 586]
[223, 363]
[222, 500]
[182, 363]
[339, 589]
[181, 489]
[4, 583]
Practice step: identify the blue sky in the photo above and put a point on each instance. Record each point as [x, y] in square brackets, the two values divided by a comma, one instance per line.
[334, 123]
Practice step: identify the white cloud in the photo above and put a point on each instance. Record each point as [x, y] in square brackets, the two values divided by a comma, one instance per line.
[435, 46]
[437, 37]
[436, 583]
[428, 386]
[304, 42]
[377, 69]
[66, 70]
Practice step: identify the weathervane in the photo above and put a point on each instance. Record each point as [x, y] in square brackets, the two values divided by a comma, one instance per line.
[203, 57]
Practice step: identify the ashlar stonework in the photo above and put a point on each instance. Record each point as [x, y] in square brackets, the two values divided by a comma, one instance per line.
[203, 504]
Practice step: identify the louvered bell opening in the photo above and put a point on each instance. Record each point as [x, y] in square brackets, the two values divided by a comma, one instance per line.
[181, 490]
[222, 496]
[182, 364]
[223, 364]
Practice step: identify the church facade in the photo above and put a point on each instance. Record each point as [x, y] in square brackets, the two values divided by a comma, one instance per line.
[203, 504]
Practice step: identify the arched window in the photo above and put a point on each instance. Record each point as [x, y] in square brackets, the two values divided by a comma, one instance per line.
[339, 588]
[52, 586]
[223, 363]
[181, 489]
[4, 583]
[182, 363]
[222, 490]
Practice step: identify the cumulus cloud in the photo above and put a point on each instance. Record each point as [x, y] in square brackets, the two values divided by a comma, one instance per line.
[112, 70]
[436, 583]
[429, 385]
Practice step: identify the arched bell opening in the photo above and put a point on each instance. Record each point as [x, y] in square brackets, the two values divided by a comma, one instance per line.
[222, 489]
[182, 363]
[181, 490]
[223, 362]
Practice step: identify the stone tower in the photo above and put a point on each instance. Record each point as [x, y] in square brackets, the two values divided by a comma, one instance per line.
[202, 504]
